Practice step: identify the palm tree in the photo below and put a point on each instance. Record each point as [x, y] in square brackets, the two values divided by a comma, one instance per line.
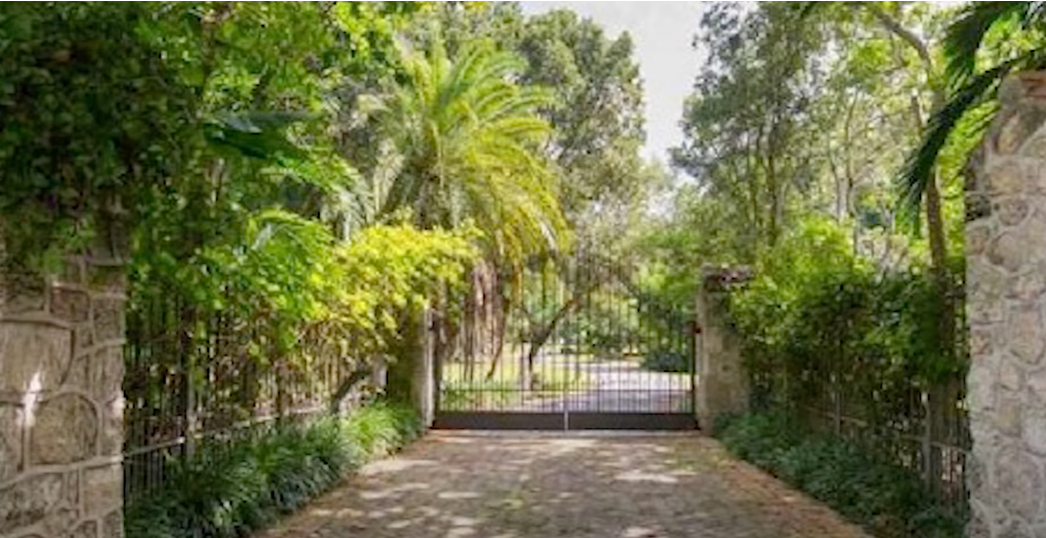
[970, 84]
[468, 137]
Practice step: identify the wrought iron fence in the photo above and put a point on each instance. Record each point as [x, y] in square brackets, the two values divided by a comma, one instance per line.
[211, 379]
[894, 409]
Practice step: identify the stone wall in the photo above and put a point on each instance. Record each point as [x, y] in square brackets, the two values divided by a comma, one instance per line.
[1006, 306]
[61, 404]
[722, 383]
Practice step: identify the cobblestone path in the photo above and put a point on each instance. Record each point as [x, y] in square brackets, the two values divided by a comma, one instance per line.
[540, 485]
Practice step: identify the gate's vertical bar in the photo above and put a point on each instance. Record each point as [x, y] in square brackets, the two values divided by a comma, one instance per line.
[695, 333]
[618, 292]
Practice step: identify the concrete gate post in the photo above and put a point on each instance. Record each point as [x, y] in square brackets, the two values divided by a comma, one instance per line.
[722, 383]
[61, 401]
[1006, 307]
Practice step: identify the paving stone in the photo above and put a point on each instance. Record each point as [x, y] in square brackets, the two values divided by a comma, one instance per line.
[566, 485]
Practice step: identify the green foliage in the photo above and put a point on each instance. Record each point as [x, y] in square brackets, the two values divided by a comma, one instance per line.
[228, 490]
[667, 360]
[984, 42]
[748, 136]
[92, 115]
[888, 500]
[815, 309]
[387, 274]
[596, 113]
[469, 136]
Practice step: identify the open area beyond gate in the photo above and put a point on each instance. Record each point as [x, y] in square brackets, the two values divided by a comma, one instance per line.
[582, 347]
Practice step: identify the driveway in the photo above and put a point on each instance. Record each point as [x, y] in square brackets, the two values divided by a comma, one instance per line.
[542, 485]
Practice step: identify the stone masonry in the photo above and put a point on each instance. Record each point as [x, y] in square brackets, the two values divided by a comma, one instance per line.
[61, 403]
[722, 384]
[1006, 307]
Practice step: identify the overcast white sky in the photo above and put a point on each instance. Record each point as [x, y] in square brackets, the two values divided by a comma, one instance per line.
[662, 33]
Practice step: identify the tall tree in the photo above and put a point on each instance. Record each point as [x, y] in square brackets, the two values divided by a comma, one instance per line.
[597, 113]
[984, 44]
[469, 139]
[747, 137]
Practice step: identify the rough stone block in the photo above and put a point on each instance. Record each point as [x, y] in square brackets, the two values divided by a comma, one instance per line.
[989, 309]
[107, 373]
[1008, 415]
[1035, 384]
[1033, 429]
[103, 489]
[1011, 211]
[1007, 251]
[22, 293]
[977, 239]
[1036, 147]
[1018, 126]
[1007, 177]
[112, 427]
[33, 357]
[85, 529]
[1028, 286]
[1024, 332]
[71, 305]
[79, 374]
[83, 338]
[108, 319]
[1019, 483]
[981, 341]
[72, 488]
[65, 430]
[31, 501]
[11, 424]
[112, 524]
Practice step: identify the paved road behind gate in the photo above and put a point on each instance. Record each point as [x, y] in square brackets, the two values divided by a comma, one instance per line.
[540, 485]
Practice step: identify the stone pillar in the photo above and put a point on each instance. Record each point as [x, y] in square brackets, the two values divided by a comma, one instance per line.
[61, 402]
[1006, 305]
[423, 384]
[721, 381]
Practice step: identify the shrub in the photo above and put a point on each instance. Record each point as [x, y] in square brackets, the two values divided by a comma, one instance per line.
[889, 500]
[226, 491]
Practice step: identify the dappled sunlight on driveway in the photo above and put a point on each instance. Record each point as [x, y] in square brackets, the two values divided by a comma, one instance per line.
[523, 485]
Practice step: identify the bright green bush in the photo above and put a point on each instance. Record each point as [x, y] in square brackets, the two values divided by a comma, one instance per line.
[889, 500]
[816, 310]
[226, 491]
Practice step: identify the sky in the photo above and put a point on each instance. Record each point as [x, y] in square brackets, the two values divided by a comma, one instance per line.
[662, 33]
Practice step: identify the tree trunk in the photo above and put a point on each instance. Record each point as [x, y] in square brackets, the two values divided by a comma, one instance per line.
[934, 220]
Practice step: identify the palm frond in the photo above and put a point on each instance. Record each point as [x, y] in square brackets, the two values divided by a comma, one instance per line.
[964, 36]
[262, 135]
[917, 171]
[470, 137]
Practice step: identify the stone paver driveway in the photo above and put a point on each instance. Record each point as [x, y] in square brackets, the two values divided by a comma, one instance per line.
[539, 485]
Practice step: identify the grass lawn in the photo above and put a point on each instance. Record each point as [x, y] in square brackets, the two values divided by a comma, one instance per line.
[504, 388]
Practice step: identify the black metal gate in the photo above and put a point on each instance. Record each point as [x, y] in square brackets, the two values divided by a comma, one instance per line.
[566, 345]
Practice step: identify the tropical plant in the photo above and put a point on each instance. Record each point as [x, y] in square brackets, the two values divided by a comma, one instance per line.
[229, 488]
[886, 498]
[977, 61]
[468, 135]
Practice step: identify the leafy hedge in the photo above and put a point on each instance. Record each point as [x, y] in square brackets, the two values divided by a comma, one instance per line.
[230, 491]
[888, 500]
